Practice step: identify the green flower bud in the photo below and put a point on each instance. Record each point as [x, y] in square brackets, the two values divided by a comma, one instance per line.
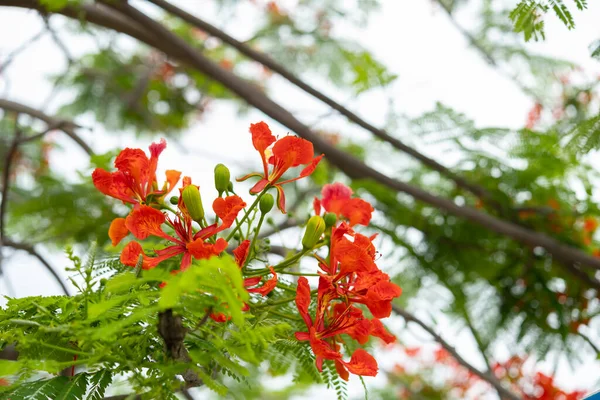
[174, 200]
[230, 187]
[314, 229]
[330, 219]
[193, 202]
[266, 203]
[222, 177]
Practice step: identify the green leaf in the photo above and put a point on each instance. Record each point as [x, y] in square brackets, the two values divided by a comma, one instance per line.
[98, 384]
[76, 388]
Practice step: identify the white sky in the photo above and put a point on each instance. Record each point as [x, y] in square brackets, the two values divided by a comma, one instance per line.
[413, 39]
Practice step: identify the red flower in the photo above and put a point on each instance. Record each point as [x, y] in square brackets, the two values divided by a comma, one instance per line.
[241, 254]
[145, 221]
[351, 273]
[135, 179]
[337, 199]
[287, 152]
[321, 335]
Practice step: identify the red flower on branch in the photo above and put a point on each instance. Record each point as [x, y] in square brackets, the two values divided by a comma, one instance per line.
[283, 154]
[145, 221]
[322, 334]
[337, 198]
[135, 179]
[241, 255]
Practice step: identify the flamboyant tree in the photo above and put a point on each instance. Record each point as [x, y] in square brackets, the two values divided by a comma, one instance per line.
[183, 287]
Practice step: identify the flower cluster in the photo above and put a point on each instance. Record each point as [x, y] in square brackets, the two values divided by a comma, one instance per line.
[349, 277]
[349, 280]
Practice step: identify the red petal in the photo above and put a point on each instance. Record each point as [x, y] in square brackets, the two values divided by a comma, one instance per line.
[303, 300]
[377, 329]
[342, 372]
[380, 309]
[317, 206]
[134, 163]
[114, 185]
[117, 230]
[262, 137]
[362, 363]
[334, 196]
[357, 211]
[248, 282]
[227, 209]
[268, 286]
[259, 186]
[145, 221]
[131, 254]
[294, 150]
[203, 251]
[311, 167]
[241, 253]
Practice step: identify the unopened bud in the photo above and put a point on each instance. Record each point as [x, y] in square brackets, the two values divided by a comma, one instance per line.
[230, 187]
[266, 203]
[174, 200]
[222, 177]
[193, 202]
[330, 219]
[314, 229]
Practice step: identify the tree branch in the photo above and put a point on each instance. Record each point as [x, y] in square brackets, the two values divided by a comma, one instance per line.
[31, 250]
[139, 26]
[289, 76]
[67, 127]
[486, 376]
[171, 329]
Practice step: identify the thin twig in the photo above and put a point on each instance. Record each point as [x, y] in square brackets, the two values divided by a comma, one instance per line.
[59, 43]
[31, 250]
[67, 127]
[486, 376]
[11, 56]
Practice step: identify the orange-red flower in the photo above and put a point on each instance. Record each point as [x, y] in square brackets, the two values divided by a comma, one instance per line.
[337, 198]
[241, 254]
[322, 333]
[145, 221]
[135, 179]
[282, 154]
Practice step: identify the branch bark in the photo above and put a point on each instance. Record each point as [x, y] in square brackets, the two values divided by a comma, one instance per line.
[136, 24]
[270, 63]
[503, 392]
[67, 127]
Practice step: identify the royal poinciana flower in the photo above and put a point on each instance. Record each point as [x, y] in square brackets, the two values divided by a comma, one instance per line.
[134, 182]
[351, 272]
[282, 154]
[241, 255]
[337, 198]
[323, 331]
[145, 221]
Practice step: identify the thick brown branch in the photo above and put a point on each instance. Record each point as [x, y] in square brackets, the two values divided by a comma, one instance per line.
[139, 26]
[67, 127]
[292, 78]
[486, 376]
[171, 329]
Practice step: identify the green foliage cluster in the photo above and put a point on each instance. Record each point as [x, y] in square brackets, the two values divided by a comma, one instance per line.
[110, 330]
